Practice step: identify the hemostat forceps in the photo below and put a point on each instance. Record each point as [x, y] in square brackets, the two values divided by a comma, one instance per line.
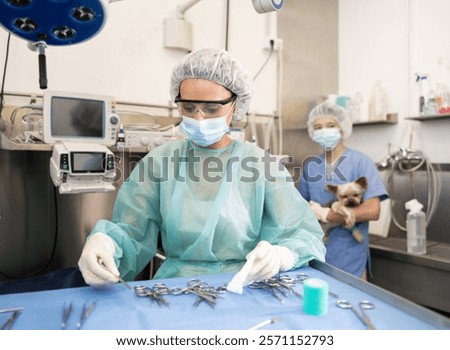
[270, 288]
[203, 291]
[363, 305]
[155, 293]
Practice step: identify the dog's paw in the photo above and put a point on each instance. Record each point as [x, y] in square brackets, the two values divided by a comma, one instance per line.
[349, 218]
[337, 208]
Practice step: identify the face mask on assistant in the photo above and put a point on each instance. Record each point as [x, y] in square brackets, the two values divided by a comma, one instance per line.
[328, 138]
[204, 132]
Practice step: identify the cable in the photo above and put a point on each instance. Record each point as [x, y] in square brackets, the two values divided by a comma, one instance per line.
[272, 43]
[119, 111]
[400, 161]
[2, 122]
[279, 107]
[15, 133]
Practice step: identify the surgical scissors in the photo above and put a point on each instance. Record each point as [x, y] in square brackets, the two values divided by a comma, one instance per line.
[363, 305]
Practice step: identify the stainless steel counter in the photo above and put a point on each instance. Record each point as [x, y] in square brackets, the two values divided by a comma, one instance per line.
[423, 279]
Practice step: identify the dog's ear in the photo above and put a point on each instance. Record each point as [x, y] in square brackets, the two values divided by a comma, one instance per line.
[332, 188]
[362, 181]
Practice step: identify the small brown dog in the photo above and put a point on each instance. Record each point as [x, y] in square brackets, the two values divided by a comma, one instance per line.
[349, 196]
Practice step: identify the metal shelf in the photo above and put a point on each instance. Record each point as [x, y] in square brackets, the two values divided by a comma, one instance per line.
[424, 118]
[391, 118]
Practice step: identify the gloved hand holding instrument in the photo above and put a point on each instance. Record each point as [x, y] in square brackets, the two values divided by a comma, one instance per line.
[97, 261]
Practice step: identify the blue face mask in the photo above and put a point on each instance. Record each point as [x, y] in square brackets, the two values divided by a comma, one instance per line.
[204, 132]
[328, 138]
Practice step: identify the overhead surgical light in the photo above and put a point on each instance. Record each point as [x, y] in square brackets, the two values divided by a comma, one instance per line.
[56, 22]
[263, 6]
[53, 22]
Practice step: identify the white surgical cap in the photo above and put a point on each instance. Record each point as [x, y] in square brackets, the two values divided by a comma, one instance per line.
[219, 66]
[331, 110]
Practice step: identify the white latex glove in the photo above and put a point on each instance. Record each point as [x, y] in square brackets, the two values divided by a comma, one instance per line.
[320, 212]
[262, 263]
[98, 248]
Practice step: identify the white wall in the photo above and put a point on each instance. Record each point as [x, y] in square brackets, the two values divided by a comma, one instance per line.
[378, 39]
[391, 41]
[127, 58]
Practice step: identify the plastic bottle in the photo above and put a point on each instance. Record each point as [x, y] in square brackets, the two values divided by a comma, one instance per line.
[358, 108]
[431, 107]
[416, 234]
[378, 104]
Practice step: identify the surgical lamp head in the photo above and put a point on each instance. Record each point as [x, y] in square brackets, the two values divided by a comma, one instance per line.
[54, 22]
[330, 109]
[263, 6]
[50, 22]
[219, 66]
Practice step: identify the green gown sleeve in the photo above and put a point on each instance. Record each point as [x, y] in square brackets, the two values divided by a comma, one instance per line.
[289, 221]
[134, 226]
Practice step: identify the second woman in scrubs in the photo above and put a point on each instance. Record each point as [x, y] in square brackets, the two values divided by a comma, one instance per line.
[328, 125]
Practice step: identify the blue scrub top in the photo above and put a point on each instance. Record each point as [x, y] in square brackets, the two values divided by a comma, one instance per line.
[343, 251]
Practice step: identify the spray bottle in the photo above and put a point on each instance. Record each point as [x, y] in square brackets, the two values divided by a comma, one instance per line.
[416, 234]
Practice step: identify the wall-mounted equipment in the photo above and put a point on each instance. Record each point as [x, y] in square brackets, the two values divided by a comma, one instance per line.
[81, 167]
[149, 137]
[53, 22]
[77, 117]
[177, 31]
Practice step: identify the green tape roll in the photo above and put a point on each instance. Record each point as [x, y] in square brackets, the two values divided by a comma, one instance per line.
[315, 297]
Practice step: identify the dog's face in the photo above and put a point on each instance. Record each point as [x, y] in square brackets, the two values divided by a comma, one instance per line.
[349, 194]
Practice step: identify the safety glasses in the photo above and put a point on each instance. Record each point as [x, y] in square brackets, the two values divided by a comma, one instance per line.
[208, 109]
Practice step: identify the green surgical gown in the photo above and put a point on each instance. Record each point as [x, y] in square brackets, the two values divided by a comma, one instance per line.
[211, 208]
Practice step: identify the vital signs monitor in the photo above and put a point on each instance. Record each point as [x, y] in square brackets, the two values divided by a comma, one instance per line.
[78, 117]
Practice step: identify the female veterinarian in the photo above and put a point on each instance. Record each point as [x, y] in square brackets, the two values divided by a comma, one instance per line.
[209, 212]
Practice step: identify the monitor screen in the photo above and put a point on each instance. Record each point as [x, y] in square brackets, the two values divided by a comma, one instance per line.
[73, 117]
[87, 162]
[78, 117]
